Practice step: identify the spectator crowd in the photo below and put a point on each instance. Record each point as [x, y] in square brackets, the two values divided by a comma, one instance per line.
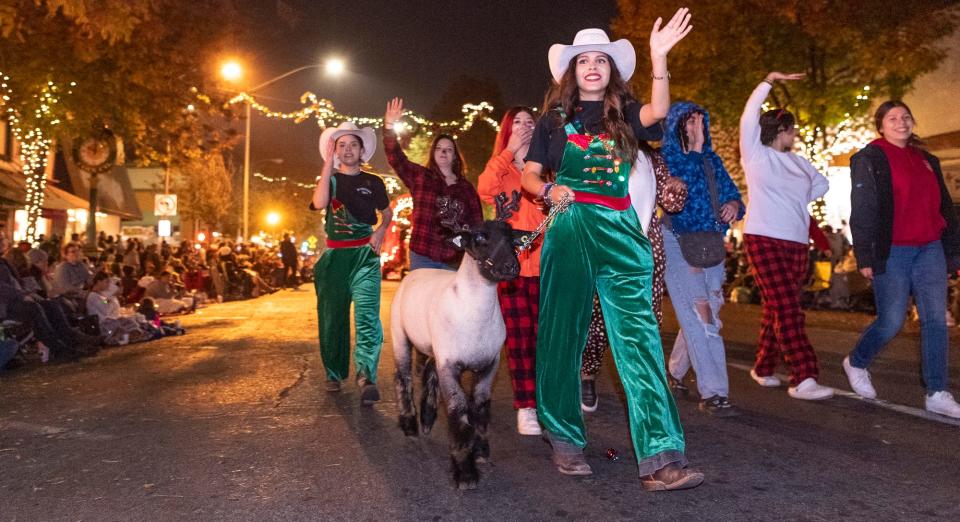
[58, 304]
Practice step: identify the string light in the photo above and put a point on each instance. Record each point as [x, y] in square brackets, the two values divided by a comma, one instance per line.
[851, 133]
[326, 115]
[34, 144]
[392, 183]
[283, 179]
[823, 145]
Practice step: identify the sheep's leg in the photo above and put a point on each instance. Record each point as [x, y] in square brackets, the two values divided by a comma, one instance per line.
[428, 396]
[480, 409]
[462, 434]
[404, 385]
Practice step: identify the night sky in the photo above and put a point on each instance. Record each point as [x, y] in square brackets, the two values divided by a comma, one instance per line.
[413, 49]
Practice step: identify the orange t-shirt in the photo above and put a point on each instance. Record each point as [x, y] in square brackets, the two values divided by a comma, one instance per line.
[501, 175]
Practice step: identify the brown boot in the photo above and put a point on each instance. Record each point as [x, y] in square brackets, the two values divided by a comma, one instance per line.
[569, 459]
[672, 477]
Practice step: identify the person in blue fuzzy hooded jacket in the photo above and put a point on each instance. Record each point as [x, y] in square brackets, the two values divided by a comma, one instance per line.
[693, 242]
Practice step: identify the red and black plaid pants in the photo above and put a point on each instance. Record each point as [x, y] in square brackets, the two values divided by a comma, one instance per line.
[780, 268]
[520, 305]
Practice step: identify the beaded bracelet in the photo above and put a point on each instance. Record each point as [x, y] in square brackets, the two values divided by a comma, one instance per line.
[546, 195]
[544, 189]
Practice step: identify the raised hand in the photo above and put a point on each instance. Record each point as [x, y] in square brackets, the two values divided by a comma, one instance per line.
[774, 76]
[662, 40]
[394, 111]
[329, 149]
[519, 139]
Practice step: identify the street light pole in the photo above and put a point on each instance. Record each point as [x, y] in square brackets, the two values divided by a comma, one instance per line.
[246, 177]
[334, 67]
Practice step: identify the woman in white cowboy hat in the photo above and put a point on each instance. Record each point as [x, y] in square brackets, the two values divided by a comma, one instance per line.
[588, 136]
[349, 268]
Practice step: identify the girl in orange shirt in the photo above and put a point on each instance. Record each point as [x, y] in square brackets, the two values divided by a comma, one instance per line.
[520, 298]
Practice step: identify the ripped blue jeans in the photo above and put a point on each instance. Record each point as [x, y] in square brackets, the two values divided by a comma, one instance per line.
[696, 295]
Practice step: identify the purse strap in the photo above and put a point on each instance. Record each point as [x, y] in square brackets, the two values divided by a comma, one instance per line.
[711, 176]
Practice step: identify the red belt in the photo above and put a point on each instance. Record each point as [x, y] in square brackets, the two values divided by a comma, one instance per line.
[606, 201]
[347, 243]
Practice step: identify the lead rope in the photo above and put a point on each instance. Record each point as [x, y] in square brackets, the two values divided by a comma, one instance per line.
[527, 240]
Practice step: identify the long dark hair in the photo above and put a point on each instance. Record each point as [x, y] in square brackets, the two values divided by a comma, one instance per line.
[886, 107]
[773, 122]
[459, 165]
[506, 127]
[566, 94]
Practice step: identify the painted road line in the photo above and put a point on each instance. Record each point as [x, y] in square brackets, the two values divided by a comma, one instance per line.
[899, 408]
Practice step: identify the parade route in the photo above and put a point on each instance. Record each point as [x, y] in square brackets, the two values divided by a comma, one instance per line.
[231, 422]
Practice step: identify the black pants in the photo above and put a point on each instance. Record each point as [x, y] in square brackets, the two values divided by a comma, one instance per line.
[52, 330]
[290, 274]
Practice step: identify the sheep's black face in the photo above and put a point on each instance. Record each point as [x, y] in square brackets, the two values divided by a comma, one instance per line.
[493, 246]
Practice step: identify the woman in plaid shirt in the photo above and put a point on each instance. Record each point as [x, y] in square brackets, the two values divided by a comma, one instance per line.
[442, 176]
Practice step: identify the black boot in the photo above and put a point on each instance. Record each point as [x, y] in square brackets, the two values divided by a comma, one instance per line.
[588, 393]
[369, 393]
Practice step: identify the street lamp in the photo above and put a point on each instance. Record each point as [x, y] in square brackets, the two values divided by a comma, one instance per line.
[334, 67]
[273, 219]
[232, 71]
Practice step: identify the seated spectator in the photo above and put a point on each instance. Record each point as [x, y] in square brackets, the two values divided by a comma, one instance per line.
[166, 298]
[72, 275]
[130, 291]
[40, 271]
[116, 327]
[44, 316]
[20, 266]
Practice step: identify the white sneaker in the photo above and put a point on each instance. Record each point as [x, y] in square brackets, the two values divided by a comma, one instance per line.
[943, 403]
[859, 380]
[527, 423]
[769, 381]
[810, 390]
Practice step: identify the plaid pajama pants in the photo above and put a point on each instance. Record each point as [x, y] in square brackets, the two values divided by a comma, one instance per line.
[520, 305]
[780, 269]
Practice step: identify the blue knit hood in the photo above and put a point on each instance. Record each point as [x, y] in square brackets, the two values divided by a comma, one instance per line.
[678, 111]
[698, 214]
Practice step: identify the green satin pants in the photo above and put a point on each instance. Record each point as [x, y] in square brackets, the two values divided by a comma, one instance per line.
[343, 275]
[594, 247]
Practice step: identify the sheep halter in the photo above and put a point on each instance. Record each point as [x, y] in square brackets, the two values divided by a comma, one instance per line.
[527, 241]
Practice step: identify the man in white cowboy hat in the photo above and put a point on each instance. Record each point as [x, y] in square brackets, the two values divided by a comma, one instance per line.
[349, 269]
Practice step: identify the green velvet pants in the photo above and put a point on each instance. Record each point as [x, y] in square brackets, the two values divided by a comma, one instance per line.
[595, 247]
[343, 275]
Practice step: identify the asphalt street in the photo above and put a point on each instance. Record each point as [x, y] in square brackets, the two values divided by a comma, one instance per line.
[231, 422]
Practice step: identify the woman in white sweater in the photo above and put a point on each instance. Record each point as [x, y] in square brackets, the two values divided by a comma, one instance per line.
[780, 185]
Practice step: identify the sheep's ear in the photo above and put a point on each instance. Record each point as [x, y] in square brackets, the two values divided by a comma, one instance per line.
[459, 240]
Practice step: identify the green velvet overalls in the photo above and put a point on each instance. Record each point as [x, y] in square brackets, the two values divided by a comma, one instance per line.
[348, 270]
[597, 243]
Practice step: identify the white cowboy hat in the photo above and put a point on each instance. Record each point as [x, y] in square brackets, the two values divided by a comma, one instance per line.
[621, 51]
[368, 137]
